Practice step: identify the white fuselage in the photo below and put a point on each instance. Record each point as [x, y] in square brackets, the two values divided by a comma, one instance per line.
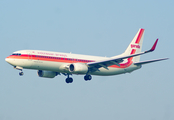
[59, 62]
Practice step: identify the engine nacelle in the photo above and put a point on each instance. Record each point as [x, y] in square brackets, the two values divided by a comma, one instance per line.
[78, 68]
[46, 74]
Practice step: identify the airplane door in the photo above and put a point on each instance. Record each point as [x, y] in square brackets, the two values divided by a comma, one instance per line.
[29, 56]
[29, 59]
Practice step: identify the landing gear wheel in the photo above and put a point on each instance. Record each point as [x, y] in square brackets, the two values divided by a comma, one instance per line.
[87, 77]
[21, 73]
[69, 80]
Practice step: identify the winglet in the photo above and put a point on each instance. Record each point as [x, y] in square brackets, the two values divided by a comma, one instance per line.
[153, 47]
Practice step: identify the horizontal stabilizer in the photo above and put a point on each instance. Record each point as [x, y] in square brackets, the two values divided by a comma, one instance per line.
[149, 61]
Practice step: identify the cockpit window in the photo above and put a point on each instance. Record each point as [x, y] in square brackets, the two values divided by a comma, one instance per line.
[16, 54]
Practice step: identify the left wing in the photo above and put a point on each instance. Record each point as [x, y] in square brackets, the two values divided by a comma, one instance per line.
[116, 61]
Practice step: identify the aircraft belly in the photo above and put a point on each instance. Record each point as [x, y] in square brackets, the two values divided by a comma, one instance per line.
[111, 71]
[115, 71]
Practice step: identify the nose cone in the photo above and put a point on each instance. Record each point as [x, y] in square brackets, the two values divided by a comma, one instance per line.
[8, 60]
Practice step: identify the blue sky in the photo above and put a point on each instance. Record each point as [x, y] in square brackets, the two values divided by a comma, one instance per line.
[93, 27]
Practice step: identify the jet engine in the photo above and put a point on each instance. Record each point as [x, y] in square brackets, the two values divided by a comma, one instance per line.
[78, 68]
[46, 74]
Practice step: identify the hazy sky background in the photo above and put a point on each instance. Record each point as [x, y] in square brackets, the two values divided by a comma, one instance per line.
[93, 27]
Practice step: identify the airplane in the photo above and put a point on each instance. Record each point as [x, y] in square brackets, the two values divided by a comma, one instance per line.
[50, 64]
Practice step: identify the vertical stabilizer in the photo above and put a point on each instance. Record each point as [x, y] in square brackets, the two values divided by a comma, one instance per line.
[136, 45]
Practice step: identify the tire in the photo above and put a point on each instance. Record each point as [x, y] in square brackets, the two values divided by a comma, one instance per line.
[21, 73]
[69, 80]
[87, 77]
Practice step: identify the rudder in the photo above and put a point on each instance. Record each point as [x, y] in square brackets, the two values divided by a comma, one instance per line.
[136, 45]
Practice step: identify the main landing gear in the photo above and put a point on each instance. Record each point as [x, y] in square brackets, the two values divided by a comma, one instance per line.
[69, 79]
[87, 77]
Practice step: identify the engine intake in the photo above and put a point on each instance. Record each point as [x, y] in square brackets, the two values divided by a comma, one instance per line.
[78, 68]
[46, 74]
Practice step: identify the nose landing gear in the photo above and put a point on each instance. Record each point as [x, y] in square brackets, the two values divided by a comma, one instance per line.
[21, 73]
[19, 68]
[69, 79]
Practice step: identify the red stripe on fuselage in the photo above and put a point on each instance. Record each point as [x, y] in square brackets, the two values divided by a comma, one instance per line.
[128, 63]
[49, 58]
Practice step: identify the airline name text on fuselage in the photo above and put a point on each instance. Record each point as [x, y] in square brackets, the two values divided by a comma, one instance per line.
[53, 54]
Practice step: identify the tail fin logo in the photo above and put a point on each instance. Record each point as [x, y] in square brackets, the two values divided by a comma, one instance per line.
[135, 46]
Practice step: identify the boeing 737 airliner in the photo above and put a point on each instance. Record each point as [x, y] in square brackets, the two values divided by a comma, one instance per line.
[50, 64]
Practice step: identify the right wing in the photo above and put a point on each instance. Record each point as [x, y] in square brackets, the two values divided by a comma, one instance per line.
[149, 61]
